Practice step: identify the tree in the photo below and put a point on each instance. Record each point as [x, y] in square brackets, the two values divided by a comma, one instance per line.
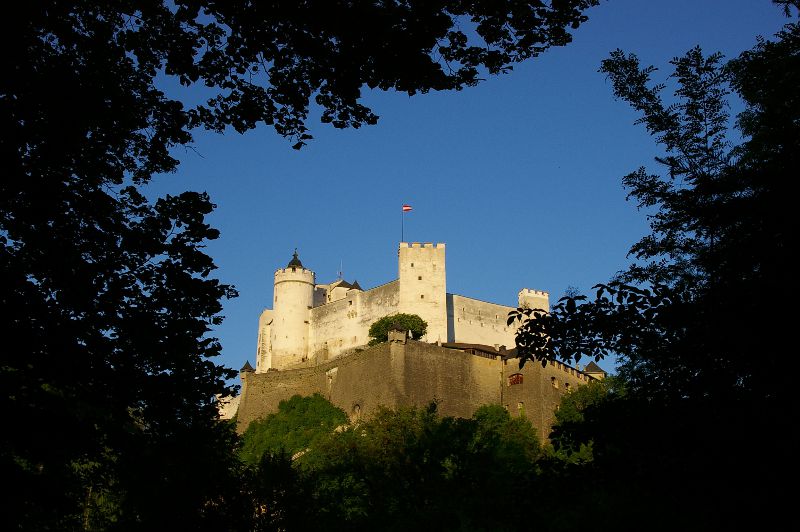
[110, 295]
[681, 316]
[411, 468]
[379, 330]
[298, 423]
[699, 319]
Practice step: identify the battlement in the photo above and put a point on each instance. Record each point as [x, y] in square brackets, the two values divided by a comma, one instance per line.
[569, 370]
[532, 292]
[293, 270]
[301, 275]
[421, 245]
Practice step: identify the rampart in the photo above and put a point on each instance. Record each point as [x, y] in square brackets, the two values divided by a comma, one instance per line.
[415, 373]
[344, 324]
[478, 321]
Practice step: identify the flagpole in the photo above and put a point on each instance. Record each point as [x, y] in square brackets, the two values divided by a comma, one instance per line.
[403, 209]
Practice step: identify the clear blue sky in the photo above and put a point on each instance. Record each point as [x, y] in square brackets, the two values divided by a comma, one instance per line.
[520, 176]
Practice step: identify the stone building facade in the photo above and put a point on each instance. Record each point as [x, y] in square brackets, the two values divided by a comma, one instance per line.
[312, 323]
[314, 341]
[403, 372]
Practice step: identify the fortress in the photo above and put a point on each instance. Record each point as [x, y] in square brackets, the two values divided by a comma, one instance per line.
[314, 340]
[312, 323]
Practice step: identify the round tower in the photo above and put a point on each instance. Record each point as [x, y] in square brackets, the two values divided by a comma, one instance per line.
[294, 293]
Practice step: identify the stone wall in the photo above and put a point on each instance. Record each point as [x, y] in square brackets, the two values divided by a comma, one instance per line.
[339, 326]
[478, 322]
[415, 373]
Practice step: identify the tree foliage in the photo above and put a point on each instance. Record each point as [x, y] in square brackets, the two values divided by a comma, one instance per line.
[683, 316]
[698, 321]
[379, 330]
[298, 423]
[412, 468]
[110, 296]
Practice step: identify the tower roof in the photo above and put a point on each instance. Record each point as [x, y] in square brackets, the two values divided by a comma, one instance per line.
[247, 368]
[591, 367]
[295, 262]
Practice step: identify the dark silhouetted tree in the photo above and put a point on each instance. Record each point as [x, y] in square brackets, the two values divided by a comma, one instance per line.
[699, 320]
[107, 373]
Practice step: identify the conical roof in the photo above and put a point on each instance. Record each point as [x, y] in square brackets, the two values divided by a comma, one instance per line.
[295, 262]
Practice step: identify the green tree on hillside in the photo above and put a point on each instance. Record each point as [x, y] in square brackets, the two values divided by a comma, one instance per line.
[411, 468]
[297, 425]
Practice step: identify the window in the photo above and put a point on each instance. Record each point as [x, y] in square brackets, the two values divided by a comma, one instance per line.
[419, 278]
[350, 303]
[566, 386]
[422, 296]
[554, 382]
[412, 264]
[516, 378]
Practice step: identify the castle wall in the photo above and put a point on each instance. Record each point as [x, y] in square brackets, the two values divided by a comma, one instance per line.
[423, 286]
[263, 353]
[341, 325]
[415, 373]
[478, 322]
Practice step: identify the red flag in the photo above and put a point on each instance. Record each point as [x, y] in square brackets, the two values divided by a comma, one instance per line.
[406, 208]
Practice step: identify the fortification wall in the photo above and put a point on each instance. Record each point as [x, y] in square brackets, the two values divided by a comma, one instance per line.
[263, 353]
[339, 326]
[415, 373]
[478, 322]
[537, 394]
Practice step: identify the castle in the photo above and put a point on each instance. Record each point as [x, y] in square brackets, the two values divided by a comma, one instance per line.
[315, 339]
[312, 323]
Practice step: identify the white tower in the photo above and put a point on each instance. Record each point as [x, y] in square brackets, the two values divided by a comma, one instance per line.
[294, 296]
[534, 299]
[423, 286]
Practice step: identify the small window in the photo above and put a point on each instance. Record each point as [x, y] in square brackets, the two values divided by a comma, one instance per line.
[294, 270]
[350, 303]
[412, 264]
[419, 278]
[554, 382]
[516, 378]
[422, 296]
[566, 386]
[276, 298]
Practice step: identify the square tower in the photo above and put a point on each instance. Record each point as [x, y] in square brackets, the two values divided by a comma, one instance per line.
[423, 286]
